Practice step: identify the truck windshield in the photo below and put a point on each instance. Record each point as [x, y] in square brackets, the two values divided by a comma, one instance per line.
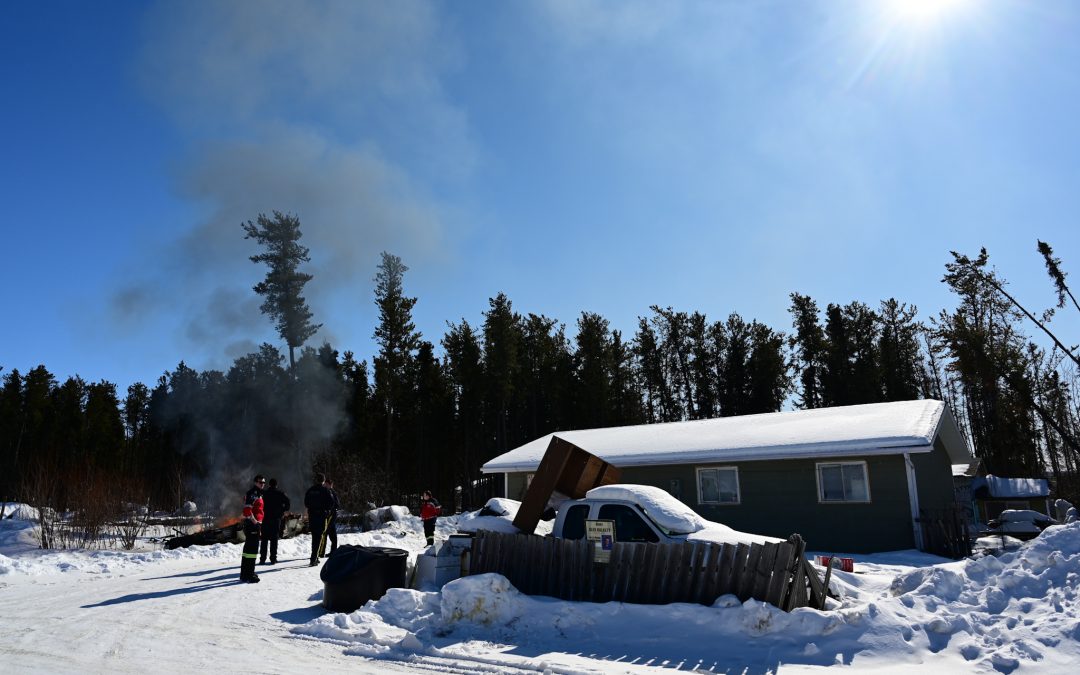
[629, 526]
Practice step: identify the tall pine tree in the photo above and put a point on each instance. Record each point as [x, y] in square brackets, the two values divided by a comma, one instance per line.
[398, 340]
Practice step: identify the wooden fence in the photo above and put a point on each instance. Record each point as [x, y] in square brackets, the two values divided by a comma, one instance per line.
[945, 533]
[651, 573]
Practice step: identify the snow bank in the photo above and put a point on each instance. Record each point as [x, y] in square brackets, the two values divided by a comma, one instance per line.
[501, 519]
[987, 614]
[19, 511]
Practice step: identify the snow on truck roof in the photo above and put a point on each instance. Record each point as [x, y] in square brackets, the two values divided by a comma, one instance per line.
[666, 511]
[870, 429]
[674, 516]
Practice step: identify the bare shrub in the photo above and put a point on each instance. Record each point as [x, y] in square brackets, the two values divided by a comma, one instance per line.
[134, 517]
[41, 488]
[94, 506]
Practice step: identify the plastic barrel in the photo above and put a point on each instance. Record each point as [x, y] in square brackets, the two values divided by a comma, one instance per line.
[355, 574]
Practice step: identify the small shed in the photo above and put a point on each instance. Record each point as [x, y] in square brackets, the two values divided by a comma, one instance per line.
[992, 494]
[859, 478]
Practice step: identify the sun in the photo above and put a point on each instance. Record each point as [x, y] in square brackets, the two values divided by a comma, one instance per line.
[922, 11]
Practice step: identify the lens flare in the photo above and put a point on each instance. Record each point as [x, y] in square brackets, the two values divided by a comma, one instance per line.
[923, 11]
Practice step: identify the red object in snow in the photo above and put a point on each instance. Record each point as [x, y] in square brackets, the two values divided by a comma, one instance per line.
[843, 564]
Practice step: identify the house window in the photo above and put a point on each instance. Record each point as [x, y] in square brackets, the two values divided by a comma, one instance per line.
[718, 485]
[843, 482]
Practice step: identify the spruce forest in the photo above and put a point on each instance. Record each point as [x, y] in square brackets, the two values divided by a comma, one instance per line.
[427, 411]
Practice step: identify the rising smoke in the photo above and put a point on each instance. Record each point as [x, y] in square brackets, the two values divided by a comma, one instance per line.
[331, 111]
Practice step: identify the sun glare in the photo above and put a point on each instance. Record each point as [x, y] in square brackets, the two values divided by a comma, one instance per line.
[923, 11]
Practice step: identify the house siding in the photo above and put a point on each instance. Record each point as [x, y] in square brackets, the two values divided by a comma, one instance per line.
[933, 473]
[780, 498]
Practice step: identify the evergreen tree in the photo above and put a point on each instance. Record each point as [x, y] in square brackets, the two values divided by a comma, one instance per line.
[766, 371]
[900, 357]
[652, 375]
[429, 415]
[808, 341]
[703, 359]
[674, 331]
[988, 357]
[398, 340]
[283, 287]
[502, 343]
[733, 378]
[356, 443]
[862, 329]
[104, 427]
[136, 416]
[836, 373]
[592, 372]
[545, 376]
[464, 363]
[1053, 268]
[626, 392]
[12, 430]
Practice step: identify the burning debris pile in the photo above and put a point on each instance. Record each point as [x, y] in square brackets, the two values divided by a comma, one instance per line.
[230, 530]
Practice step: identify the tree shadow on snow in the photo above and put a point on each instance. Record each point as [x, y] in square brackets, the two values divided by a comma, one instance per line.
[230, 580]
[185, 574]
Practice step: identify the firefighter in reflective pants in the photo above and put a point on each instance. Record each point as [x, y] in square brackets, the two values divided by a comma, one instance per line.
[320, 506]
[253, 516]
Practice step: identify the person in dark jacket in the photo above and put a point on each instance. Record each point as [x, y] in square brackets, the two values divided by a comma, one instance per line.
[429, 513]
[319, 503]
[252, 522]
[331, 528]
[275, 504]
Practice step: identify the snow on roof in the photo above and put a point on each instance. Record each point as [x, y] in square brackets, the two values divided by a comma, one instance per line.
[1017, 488]
[870, 429]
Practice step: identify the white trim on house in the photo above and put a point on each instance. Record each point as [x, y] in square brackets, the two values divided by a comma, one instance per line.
[913, 499]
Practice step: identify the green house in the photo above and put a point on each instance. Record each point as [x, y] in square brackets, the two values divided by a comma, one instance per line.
[853, 479]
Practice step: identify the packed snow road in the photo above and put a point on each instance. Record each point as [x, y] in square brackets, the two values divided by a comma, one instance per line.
[176, 615]
[185, 610]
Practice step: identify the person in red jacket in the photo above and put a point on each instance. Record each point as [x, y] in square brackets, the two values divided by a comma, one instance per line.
[429, 513]
[252, 522]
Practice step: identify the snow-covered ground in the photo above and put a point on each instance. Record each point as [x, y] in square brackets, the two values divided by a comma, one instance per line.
[155, 610]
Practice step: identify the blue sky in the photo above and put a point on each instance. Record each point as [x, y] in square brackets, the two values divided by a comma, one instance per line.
[578, 156]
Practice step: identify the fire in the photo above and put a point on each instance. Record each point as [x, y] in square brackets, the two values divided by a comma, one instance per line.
[226, 521]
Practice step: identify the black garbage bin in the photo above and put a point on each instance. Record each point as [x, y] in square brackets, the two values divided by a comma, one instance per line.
[352, 575]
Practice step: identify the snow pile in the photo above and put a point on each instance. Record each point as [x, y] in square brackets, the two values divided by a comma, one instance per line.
[497, 515]
[716, 533]
[1017, 611]
[376, 518]
[18, 536]
[18, 511]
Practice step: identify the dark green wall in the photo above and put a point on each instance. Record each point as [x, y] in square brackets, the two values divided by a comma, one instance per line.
[933, 474]
[779, 498]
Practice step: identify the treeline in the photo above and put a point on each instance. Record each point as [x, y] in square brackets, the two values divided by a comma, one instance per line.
[422, 414]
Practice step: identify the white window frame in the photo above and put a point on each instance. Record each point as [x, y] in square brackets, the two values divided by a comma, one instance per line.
[821, 495]
[738, 487]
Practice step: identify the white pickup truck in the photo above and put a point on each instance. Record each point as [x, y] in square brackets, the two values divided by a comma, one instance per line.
[643, 513]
